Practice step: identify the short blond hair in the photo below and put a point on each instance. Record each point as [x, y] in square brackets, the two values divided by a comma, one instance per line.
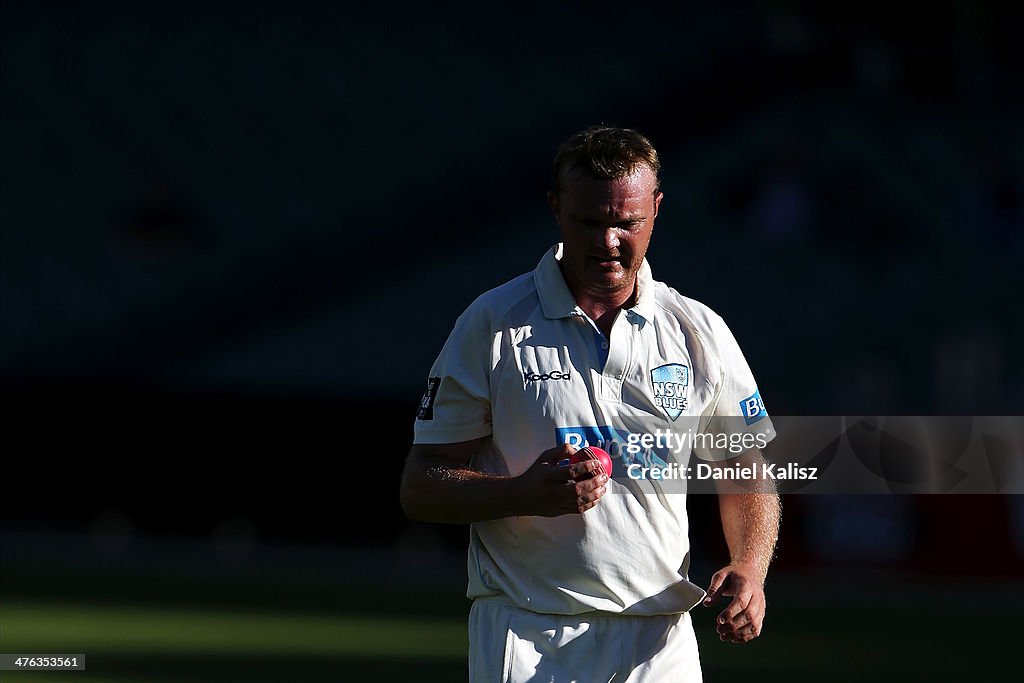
[605, 153]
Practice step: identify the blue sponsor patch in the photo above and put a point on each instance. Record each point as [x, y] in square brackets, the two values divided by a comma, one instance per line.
[614, 441]
[752, 408]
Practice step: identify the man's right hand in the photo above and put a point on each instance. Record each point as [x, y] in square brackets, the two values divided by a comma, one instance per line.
[548, 489]
[439, 486]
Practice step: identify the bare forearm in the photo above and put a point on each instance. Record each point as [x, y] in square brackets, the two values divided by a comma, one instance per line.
[750, 522]
[442, 493]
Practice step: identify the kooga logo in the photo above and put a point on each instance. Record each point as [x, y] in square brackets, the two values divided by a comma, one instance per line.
[554, 374]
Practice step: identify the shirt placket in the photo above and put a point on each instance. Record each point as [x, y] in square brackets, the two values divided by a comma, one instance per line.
[615, 368]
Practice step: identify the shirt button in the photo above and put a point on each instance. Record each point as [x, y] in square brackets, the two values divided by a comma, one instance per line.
[618, 376]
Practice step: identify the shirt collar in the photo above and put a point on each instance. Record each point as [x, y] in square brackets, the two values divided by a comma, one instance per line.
[558, 302]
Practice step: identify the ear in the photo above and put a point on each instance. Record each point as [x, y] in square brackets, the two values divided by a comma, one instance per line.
[553, 203]
[657, 203]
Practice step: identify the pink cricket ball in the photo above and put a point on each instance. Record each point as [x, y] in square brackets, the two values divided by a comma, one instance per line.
[594, 453]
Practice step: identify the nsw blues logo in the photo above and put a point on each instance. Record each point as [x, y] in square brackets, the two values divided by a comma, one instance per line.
[670, 382]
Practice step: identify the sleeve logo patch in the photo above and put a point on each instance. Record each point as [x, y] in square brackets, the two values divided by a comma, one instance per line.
[752, 408]
[426, 410]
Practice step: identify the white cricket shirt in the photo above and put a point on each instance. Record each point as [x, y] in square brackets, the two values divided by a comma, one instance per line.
[525, 366]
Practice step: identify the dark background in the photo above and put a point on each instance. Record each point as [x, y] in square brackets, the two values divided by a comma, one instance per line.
[234, 238]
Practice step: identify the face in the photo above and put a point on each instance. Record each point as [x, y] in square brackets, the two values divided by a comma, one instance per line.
[606, 227]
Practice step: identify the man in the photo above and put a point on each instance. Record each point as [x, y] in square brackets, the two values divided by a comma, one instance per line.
[576, 576]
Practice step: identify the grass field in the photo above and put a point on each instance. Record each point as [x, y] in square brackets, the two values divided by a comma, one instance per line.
[204, 630]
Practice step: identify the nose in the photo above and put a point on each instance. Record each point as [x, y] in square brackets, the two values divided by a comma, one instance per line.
[608, 239]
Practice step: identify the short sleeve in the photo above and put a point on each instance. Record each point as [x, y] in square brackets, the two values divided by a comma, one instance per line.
[739, 417]
[456, 405]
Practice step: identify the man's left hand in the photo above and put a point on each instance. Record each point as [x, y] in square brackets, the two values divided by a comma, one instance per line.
[741, 621]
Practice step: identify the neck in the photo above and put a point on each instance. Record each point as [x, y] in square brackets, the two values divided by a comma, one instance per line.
[603, 308]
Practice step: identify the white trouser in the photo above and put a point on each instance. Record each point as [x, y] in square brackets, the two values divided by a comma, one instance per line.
[512, 645]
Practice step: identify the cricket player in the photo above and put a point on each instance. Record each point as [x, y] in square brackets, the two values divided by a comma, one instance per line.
[575, 575]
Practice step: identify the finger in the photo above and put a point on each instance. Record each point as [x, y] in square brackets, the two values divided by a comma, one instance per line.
[756, 609]
[744, 633]
[554, 455]
[714, 588]
[564, 475]
[586, 469]
[587, 500]
[741, 635]
[591, 482]
[738, 604]
[748, 629]
[732, 625]
[751, 617]
[747, 633]
[561, 468]
[590, 492]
